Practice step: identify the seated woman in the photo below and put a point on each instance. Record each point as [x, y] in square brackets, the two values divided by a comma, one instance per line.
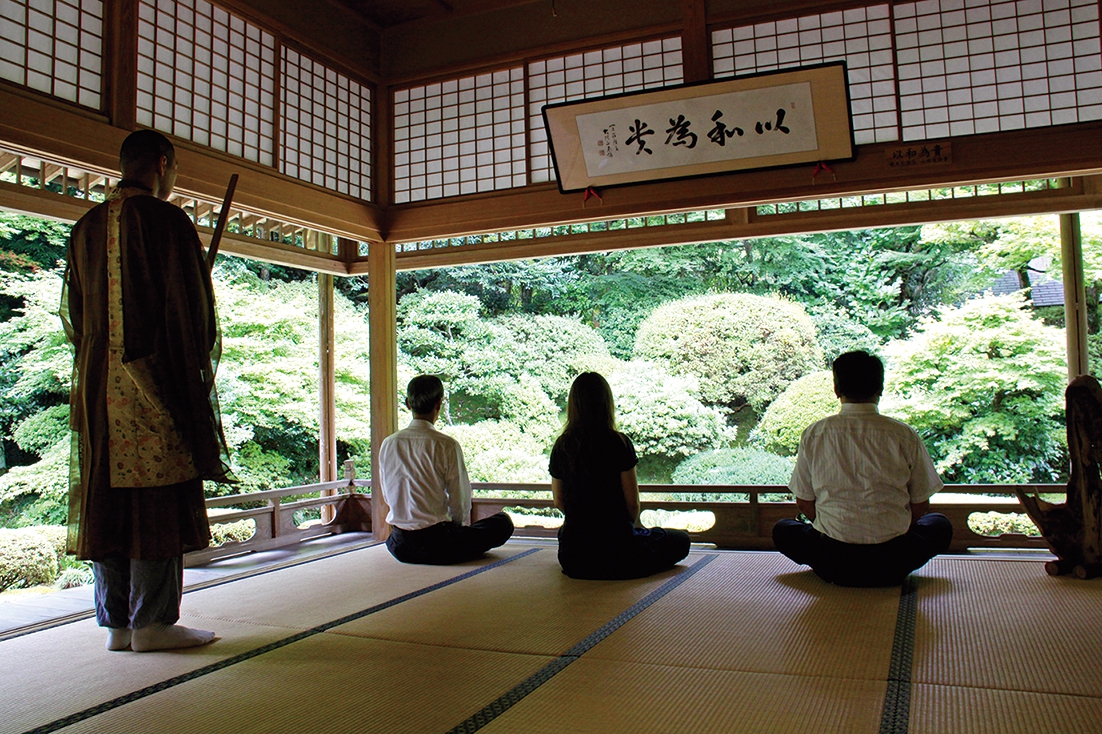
[594, 483]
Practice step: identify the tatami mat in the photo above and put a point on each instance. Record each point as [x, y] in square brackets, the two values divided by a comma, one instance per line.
[1008, 625]
[757, 612]
[327, 683]
[56, 672]
[957, 710]
[527, 606]
[314, 593]
[726, 642]
[604, 697]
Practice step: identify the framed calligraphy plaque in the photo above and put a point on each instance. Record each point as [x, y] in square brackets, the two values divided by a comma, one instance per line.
[762, 121]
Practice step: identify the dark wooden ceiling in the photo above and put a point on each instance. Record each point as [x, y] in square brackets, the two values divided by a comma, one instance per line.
[389, 13]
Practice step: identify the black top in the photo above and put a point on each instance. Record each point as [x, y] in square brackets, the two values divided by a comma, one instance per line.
[593, 496]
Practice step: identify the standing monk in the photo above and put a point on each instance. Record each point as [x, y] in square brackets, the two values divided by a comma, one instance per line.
[138, 307]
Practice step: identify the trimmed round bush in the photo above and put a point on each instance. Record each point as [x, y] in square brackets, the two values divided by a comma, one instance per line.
[802, 403]
[27, 558]
[743, 465]
[231, 532]
[743, 349]
[994, 524]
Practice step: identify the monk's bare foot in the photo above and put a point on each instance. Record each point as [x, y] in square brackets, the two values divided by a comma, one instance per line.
[169, 637]
[118, 638]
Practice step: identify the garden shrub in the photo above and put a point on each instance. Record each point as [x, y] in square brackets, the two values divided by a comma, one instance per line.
[232, 532]
[27, 558]
[743, 465]
[802, 403]
[663, 417]
[839, 332]
[744, 349]
[984, 388]
[994, 524]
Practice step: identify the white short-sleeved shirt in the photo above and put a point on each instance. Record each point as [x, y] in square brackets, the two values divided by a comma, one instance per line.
[423, 478]
[863, 470]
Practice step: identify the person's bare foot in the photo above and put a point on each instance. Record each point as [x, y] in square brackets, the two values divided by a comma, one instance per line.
[169, 637]
[118, 638]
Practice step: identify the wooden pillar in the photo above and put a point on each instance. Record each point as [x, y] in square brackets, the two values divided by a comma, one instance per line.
[696, 56]
[120, 79]
[383, 326]
[1075, 295]
[327, 418]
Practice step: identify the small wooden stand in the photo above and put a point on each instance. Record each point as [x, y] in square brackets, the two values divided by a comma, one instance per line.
[1074, 530]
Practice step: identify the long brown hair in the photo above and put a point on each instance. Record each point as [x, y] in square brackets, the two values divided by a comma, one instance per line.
[590, 411]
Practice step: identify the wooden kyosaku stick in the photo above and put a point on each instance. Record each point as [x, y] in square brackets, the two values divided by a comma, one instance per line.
[223, 217]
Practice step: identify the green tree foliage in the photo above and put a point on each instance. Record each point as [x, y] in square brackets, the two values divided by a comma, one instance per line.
[37, 361]
[663, 416]
[526, 286]
[498, 451]
[984, 387]
[838, 332]
[802, 403]
[30, 243]
[744, 349]
[268, 377]
[552, 349]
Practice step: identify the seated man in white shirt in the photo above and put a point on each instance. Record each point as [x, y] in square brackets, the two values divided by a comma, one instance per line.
[424, 482]
[865, 481]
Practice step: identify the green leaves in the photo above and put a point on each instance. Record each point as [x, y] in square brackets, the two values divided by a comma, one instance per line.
[984, 387]
[743, 349]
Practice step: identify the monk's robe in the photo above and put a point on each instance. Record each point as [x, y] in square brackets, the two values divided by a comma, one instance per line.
[138, 308]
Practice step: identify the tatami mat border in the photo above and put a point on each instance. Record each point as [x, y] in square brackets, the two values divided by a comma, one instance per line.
[248, 655]
[511, 698]
[896, 715]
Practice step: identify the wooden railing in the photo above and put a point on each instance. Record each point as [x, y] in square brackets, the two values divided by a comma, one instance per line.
[745, 524]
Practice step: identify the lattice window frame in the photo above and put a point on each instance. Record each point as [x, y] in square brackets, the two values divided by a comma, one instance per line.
[207, 76]
[861, 36]
[613, 70]
[59, 54]
[321, 147]
[991, 65]
[460, 136]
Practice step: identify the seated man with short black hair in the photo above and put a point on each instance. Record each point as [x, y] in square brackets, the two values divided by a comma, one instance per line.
[865, 481]
[424, 482]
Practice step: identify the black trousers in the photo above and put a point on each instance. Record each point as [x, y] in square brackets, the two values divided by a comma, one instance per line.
[850, 564]
[448, 542]
[647, 551]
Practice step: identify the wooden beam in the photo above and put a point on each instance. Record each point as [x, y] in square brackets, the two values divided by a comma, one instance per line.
[276, 253]
[1075, 295]
[696, 47]
[1051, 152]
[746, 223]
[74, 137]
[120, 45]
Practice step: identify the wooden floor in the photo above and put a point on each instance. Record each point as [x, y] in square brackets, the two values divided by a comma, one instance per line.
[726, 642]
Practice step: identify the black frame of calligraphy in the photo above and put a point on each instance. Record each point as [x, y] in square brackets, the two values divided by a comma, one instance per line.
[832, 112]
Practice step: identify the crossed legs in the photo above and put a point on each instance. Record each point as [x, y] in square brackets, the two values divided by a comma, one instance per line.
[881, 564]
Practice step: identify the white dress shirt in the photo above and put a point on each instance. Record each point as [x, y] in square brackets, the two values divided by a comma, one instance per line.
[423, 477]
[863, 470]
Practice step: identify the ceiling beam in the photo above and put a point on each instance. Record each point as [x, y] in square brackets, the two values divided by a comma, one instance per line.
[1051, 152]
[744, 223]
